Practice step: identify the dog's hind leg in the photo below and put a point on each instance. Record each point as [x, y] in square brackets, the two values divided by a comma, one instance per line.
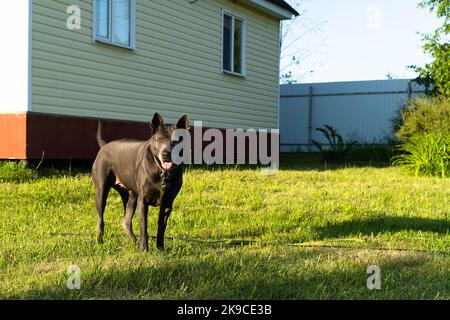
[129, 201]
[102, 191]
[130, 209]
[124, 195]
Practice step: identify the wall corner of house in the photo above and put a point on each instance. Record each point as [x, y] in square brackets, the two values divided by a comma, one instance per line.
[30, 57]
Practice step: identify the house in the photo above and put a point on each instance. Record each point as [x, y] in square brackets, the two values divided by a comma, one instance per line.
[69, 63]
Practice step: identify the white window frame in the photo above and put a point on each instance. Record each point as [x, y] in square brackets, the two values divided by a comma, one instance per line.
[109, 40]
[243, 46]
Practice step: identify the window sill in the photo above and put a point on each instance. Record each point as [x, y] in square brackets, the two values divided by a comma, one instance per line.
[235, 74]
[132, 48]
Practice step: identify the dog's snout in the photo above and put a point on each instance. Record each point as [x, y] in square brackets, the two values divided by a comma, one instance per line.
[166, 155]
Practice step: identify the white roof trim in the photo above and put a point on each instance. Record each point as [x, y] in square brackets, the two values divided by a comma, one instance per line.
[270, 8]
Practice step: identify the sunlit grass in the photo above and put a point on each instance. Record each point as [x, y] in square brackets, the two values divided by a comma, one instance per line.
[234, 234]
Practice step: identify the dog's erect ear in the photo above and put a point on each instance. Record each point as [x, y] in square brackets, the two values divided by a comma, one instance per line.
[157, 123]
[183, 123]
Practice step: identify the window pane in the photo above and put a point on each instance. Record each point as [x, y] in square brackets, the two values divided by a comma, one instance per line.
[121, 22]
[227, 21]
[238, 42]
[102, 18]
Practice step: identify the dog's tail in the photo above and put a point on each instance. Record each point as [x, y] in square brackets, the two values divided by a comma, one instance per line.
[100, 141]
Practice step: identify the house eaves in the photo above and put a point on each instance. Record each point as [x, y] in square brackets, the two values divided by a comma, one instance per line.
[278, 8]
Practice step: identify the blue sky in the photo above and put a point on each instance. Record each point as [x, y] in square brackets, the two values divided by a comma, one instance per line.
[363, 39]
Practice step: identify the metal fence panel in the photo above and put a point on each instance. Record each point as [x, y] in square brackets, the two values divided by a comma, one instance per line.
[360, 110]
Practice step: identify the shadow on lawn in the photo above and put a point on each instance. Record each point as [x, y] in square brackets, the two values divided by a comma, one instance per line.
[314, 161]
[383, 225]
[300, 162]
[23, 172]
[245, 276]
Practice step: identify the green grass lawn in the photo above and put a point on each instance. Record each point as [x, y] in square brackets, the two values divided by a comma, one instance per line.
[309, 232]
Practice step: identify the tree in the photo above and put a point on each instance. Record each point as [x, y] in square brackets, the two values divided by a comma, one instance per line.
[296, 55]
[392, 76]
[435, 76]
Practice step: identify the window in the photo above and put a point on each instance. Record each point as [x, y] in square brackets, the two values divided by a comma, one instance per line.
[233, 46]
[114, 22]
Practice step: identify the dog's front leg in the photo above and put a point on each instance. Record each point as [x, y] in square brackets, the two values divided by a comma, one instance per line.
[164, 213]
[143, 235]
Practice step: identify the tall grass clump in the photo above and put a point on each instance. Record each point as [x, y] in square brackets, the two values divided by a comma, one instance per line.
[424, 137]
[427, 154]
[11, 171]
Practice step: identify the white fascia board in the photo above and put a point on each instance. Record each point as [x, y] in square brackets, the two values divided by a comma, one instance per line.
[270, 8]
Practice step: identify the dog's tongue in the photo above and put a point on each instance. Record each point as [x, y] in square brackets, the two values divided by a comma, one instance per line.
[167, 165]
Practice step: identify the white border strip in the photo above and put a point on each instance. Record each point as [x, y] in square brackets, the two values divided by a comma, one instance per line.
[270, 8]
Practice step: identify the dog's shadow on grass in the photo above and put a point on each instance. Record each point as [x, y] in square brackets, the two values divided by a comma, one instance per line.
[383, 224]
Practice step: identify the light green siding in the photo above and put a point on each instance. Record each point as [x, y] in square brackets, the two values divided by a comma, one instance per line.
[175, 69]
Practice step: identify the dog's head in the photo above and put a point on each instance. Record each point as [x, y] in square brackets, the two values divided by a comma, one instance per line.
[161, 142]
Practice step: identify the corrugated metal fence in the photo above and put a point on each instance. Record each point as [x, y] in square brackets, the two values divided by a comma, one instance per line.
[360, 110]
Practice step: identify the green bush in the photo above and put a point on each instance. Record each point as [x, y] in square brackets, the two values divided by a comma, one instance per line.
[15, 172]
[423, 129]
[423, 116]
[426, 154]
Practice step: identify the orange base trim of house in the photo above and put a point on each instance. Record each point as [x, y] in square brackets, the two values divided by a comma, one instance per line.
[13, 139]
[32, 136]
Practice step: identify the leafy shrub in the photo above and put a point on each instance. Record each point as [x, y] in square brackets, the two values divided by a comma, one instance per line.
[15, 172]
[423, 116]
[426, 154]
[424, 134]
[338, 149]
